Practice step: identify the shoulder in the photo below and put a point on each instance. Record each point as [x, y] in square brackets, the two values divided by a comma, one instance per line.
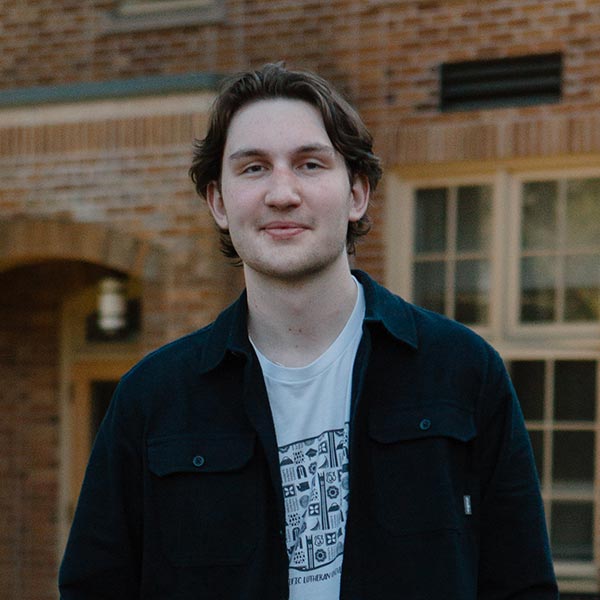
[173, 352]
[430, 334]
[441, 351]
[455, 345]
[438, 331]
[169, 365]
[194, 354]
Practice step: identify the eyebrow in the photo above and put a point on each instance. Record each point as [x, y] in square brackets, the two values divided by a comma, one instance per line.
[306, 149]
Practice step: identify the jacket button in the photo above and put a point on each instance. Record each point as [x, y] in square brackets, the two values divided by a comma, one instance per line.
[425, 424]
[198, 461]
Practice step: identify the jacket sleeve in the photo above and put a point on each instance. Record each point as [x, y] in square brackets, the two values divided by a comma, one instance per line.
[102, 557]
[515, 558]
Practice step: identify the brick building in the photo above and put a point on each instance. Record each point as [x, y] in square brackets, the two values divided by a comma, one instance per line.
[486, 116]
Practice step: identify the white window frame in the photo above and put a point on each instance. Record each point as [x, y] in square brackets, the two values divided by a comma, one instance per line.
[139, 7]
[574, 576]
[400, 235]
[514, 340]
[504, 321]
[133, 15]
[558, 333]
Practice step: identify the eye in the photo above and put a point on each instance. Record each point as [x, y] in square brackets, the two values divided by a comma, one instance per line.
[253, 168]
[311, 165]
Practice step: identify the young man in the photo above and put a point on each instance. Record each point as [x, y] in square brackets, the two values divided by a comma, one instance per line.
[323, 438]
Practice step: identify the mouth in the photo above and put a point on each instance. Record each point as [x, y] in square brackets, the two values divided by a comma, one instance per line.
[284, 229]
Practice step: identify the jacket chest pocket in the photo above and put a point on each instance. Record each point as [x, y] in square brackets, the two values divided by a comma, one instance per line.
[204, 494]
[421, 460]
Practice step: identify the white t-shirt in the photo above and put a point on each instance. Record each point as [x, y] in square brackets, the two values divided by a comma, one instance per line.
[311, 411]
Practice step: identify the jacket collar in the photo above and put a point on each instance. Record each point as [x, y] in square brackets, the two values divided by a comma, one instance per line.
[391, 311]
[229, 334]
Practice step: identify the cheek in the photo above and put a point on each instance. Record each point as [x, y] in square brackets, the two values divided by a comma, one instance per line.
[237, 202]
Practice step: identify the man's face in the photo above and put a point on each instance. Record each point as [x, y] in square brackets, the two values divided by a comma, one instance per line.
[285, 195]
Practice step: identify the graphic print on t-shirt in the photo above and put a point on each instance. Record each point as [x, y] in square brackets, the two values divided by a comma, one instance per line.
[315, 489]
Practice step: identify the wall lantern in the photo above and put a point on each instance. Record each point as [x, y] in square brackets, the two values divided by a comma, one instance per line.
[112, 305]
[117, 317]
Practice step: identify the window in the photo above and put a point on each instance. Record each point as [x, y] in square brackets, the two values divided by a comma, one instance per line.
[136, 7]
[156, 14]
[560, 251]
[544, 240]
[516, 255]
[452, 251]
[559, 398]
[92, 385]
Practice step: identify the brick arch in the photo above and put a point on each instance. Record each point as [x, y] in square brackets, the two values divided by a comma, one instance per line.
[24, 240]
[44, 264]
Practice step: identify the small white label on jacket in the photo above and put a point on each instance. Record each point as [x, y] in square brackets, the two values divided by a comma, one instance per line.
[467, 500]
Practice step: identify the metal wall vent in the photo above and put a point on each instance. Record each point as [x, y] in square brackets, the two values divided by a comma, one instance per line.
[516, 81]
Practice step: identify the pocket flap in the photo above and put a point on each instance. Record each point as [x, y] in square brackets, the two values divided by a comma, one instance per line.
[417, 422]
[184, 454]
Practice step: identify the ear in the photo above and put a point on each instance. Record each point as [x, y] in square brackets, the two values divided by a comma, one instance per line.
[360, 193]
[214, 199]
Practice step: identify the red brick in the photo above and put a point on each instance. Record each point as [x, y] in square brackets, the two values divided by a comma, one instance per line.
[119, 192]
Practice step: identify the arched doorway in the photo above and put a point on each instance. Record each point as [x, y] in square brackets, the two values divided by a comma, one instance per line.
[56, 379]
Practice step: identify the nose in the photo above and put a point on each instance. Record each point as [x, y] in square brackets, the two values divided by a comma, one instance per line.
[283, 189]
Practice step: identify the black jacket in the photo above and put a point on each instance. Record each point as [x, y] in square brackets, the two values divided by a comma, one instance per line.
[182, 498]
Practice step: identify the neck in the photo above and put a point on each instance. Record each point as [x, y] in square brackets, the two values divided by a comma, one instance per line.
[293, 322]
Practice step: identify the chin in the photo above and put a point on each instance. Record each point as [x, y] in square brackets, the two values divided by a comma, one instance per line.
[288, 271]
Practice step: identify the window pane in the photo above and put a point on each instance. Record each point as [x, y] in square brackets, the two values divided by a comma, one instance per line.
[528, 379]
[101, 394]
[539, 215]
[538, 289]
[472, 291]
[537, 443]
[582, 296]
[583, 213]
[156, 5]
[430, 235]
[429, 285]
[572, 527]
[573, 458]
[474, 218]
[575, 390]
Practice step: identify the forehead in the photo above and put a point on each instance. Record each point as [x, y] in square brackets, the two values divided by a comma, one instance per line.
[276, 121]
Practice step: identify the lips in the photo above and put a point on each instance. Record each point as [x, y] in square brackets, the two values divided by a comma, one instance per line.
[284, 229]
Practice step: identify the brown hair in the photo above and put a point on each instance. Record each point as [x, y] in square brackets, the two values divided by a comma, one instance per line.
[345, 128]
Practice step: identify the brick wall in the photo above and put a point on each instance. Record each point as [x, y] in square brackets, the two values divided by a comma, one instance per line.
[384, 54]
[114, 191]
[29, 458]
[83, 192]
[384, 51]
[128, 176]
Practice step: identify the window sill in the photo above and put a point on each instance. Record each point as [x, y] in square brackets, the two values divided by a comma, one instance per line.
[125, 20]
[576, 577]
